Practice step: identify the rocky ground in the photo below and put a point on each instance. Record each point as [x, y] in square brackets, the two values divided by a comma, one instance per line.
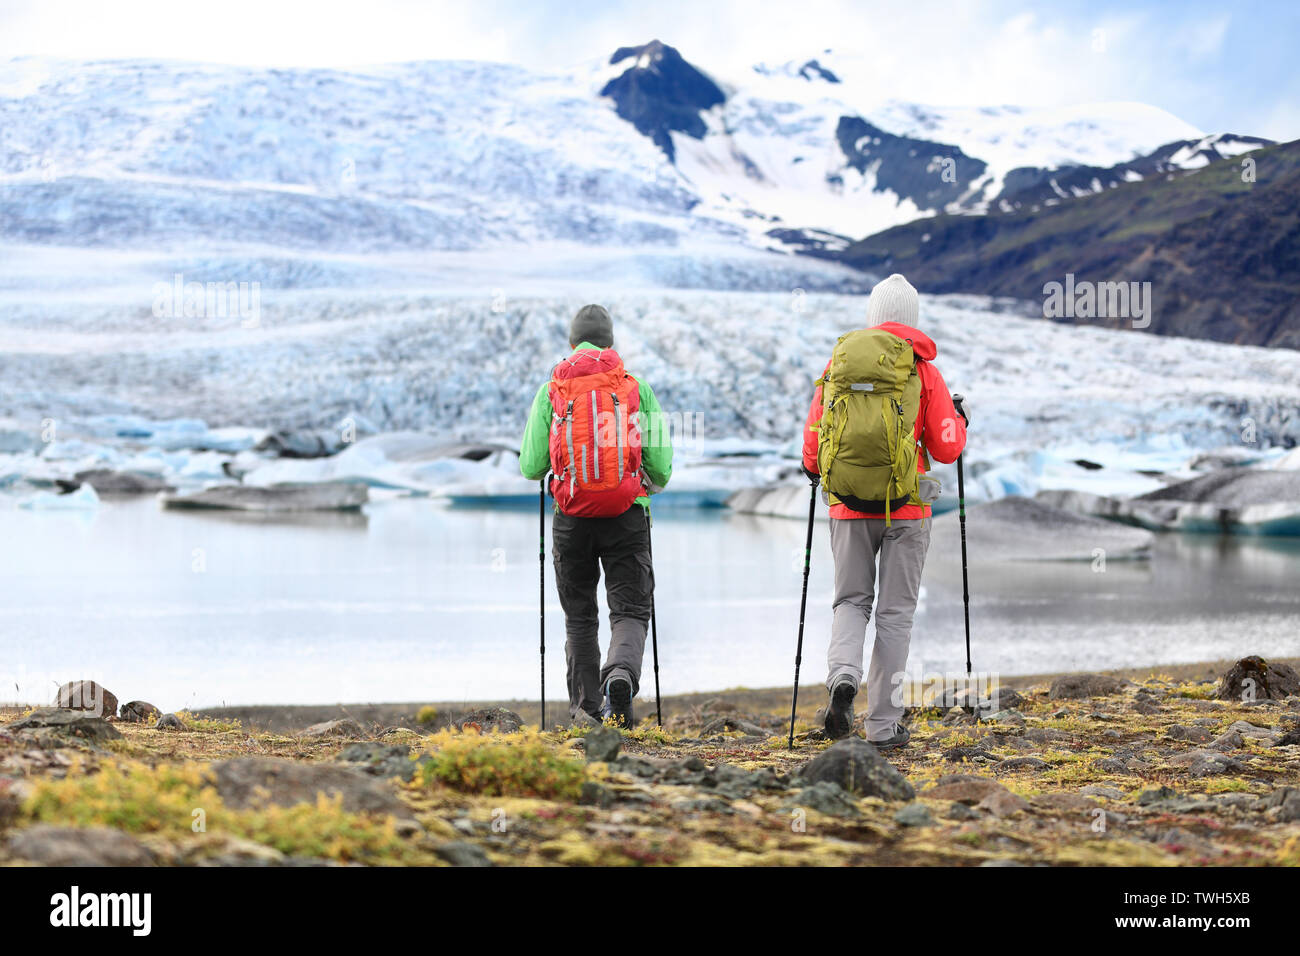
[1082, 769]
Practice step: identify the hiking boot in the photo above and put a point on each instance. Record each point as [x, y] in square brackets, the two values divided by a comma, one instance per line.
[618, 702]
[839, 714]
[900, 736]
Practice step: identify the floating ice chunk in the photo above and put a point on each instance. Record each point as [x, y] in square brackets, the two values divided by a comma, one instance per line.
[1024, 529]
[275, 499]
[80, 500]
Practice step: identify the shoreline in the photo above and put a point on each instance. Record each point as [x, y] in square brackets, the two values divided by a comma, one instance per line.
[293, 717]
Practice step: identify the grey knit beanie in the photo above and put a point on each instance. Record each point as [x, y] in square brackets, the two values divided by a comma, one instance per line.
[592, 324]
[893, 300]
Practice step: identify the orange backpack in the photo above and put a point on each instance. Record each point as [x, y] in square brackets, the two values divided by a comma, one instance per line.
[595, 435]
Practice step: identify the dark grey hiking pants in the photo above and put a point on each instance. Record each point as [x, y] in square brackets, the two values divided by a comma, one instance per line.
[581, 547]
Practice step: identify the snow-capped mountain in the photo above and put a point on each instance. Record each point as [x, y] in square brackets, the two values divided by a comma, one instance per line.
[640, 150]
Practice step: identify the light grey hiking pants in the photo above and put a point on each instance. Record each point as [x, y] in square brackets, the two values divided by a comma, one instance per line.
[855, 545]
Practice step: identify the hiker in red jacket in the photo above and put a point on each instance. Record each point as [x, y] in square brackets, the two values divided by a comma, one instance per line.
[899, 539]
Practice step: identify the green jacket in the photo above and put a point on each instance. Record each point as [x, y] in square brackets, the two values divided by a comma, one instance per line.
[656, 442]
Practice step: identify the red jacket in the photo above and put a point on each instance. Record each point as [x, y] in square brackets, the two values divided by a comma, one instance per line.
[942, 431]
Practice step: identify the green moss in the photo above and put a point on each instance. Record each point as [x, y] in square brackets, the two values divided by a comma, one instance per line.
[523, 764]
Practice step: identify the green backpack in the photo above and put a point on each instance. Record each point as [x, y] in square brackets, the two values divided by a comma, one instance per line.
[866, 443]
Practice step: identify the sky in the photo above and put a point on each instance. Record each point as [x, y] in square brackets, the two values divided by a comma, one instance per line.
[1222, 66]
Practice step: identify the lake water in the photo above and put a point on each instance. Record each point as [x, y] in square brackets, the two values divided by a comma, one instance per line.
[417, 601]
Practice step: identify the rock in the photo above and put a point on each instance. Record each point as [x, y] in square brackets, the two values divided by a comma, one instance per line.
[635, 766]
[380, 760]
[78, 846]
[702, 805]
[344, 727]
[1023, 763]
[1064, 801]
[169, 722]
[72, 723]
[1006, 698]
[1255, 732]
[1196, 735]
[1148, 797]
[1205, 762]
[462, 853]
[962, 788]
[596, 795]
[602, 744]
[960, 754]
[496, 720]
[1229, 741]
[1084, 685]
[139, 711]
[1111, 765]
[826, 797]
[1146, 707]
[86, 695]
[729, 723]
[1002, 803]
[1253, 678]
[1012, 718]
[1288, 739]
[1100, 790]
[959, 811]
[256, 781]
[1285, 801]
[858, 767]
[913, 815]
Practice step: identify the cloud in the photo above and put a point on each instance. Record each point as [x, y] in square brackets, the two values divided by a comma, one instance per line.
[981, 52]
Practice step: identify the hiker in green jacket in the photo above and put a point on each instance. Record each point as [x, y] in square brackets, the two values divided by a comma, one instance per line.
[602, 436]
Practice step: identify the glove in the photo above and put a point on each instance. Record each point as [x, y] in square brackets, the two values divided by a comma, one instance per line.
[810, 475]
[959, 403]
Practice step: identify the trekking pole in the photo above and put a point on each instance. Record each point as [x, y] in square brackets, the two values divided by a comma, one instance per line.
[803, 603]
[654, 628]
[965, 587]
[541, 581]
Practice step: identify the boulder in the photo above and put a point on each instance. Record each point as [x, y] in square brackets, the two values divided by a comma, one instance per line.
[1253, 678]
[1071, 686]
[720, 725]
[1285, 804]
[858, 767]
[1205, 763]
[78, 846]
[380, 760]
[491, 720]
[825, 797]
[344, 727]
[169, 722]
[139, 711]
[86, 695]
[965, 788]
[1196, 735]
[462, 853]
[1002, 803]
[73, 723]
[602, 744]
[257, 781]
[913, 815]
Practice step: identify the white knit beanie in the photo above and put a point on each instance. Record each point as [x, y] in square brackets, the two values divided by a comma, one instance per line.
[893, 300]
